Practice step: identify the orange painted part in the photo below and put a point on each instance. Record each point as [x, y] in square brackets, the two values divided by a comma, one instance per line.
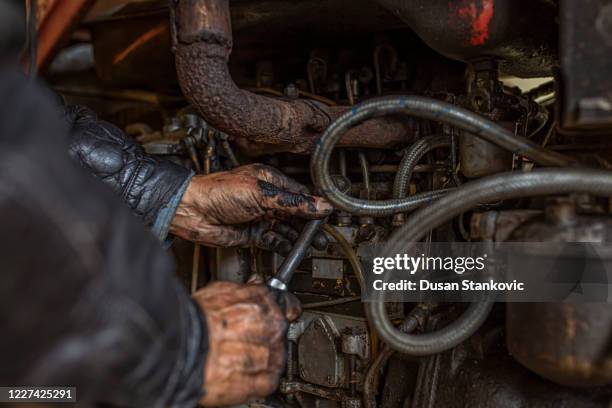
[148, 36]
[59, 20]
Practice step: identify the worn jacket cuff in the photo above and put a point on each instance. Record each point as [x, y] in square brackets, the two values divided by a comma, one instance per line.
[161, 225]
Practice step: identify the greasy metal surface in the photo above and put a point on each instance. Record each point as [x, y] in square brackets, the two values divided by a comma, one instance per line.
[480, 158]
[566, 343]
[585, 47]
[481, 374]
[326, 268]
[328, 367]
[206, 82]
[467, 29]
[498, 225]
[298, 251]
[203, 20]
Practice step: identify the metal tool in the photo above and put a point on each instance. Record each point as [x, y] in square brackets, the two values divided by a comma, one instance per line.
[291, 262]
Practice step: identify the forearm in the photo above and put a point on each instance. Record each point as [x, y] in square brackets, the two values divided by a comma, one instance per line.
[150, 186]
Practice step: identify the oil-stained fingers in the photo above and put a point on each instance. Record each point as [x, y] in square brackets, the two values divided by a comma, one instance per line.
[290, 227]
[286, 230]
[279, 202]
[256, 279]
[266, 384]
[250, 387]
[276, 177]
[221, 296]
[320, 240]
[246, 358]
[293, 307]
[272, 241]
[213, 293]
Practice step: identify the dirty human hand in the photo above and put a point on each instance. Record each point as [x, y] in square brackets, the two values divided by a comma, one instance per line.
[250, 205]
[246, 338]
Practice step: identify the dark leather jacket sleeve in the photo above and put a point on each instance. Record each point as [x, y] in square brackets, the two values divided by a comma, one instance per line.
[88, 298]
[151, 187]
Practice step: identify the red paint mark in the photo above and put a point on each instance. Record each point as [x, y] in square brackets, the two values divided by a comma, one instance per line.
[479, 18]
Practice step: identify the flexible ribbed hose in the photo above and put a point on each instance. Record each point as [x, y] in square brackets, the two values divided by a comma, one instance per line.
[412, 157]
[424, 108]
[489, 189]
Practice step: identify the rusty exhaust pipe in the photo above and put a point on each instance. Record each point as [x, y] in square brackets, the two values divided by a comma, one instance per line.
[203, 41]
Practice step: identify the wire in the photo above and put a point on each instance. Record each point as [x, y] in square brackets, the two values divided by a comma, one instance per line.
[349, 253]
[333, 302]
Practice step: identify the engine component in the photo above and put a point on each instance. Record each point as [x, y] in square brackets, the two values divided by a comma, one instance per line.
[481, 374]
[411, 159]
[429, 109]
[287, 269]
[304, 68]
[586, 41]
[329, 370]
[203, 46]
[562, 341]
[469, 29]
[492, 188]
[480, 157]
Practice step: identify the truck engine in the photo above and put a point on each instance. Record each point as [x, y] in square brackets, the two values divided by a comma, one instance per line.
[457, 121]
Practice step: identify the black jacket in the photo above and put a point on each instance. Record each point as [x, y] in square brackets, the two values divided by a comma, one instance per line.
[88, 297]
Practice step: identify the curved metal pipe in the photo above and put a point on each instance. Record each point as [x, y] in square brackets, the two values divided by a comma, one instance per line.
[411, 158]
[426, 108]
[489, 189]
[203, 42]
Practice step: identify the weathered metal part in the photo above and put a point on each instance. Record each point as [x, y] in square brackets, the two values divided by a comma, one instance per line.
[479, 157]
[356, 342]
[468, 29]
[498, 225]
[565, 342]
[58, 22]
[585, 46]
[329, 368]
[202, 52]
[481, 374]
[326, 268]
[292, 387]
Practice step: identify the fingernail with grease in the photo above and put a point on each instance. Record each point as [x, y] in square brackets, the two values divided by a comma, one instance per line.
[323, 206]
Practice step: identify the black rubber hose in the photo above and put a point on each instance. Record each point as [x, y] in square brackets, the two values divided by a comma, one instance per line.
[412, 157]
[489, 189]
[424, 108]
